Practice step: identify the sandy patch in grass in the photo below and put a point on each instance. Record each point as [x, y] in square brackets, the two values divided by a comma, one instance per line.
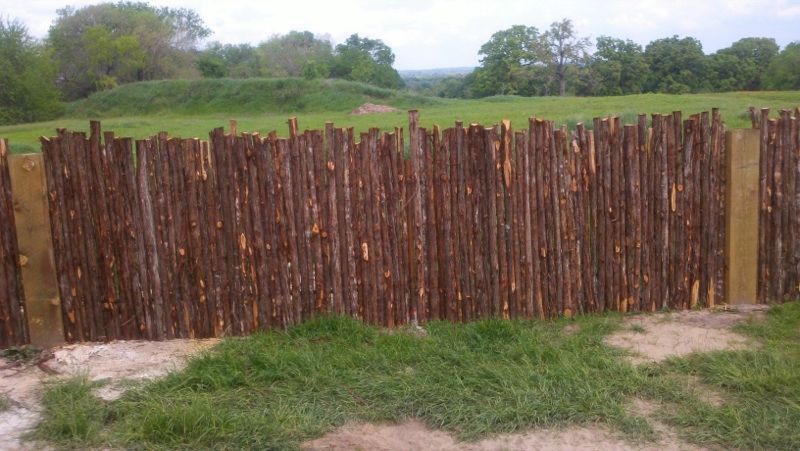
[371, 108]
[115, 362]
[122, 361]
[657, 337]
[413, 434]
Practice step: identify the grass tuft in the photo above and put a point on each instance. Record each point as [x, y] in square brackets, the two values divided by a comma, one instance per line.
[21, 354]
[72, 417]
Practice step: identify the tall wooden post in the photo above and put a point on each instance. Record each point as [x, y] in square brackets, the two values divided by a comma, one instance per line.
[35, 249]
[742, 210]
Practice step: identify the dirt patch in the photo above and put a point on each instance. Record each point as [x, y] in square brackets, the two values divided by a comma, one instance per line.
[121, 361]
[657, 337]
[667, 436]
[117, 363]
[413, 434]
[372, 108]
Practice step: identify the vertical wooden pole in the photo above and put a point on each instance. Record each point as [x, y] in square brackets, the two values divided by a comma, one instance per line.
[742, 240]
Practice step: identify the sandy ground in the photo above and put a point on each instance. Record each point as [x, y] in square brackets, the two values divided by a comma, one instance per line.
[414, 435]
[115, 362]
[371, 108]
[649, 338]
[657, 337]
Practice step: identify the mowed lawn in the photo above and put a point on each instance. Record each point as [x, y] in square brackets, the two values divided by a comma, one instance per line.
[132, 117]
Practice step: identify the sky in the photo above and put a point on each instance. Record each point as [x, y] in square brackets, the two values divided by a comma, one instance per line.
[427, 34]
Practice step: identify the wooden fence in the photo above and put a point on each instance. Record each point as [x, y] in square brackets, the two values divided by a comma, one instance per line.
[168, 237]
[779, 219]
[13, 322]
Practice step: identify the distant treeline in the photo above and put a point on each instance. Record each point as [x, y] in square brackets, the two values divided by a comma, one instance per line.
[523, 61]
[101, 46]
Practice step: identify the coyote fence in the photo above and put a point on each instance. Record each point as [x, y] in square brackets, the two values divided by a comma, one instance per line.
[779, 216]
[165, 237]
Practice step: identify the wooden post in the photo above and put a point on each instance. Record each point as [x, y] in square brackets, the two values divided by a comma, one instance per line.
[36, 255]
[741, 240]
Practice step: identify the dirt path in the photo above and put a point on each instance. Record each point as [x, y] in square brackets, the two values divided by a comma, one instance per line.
[114, 362]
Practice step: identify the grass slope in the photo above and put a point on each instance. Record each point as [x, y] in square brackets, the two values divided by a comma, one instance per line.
[191, 108]
[245, 96]
[275, 390]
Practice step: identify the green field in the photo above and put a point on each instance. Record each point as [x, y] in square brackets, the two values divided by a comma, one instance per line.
[191, 108]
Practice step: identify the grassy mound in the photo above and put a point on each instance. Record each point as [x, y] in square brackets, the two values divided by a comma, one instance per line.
[254, 95]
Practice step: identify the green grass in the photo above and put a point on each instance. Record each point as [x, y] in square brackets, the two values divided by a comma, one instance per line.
[191, 108]
[761, 388]
[275, 390]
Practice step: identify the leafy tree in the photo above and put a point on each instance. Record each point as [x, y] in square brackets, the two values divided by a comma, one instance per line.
[726, 72]
[27, 89]
[211, 65]
[563, 48]
[288, 55]
[109, 55]
[367, 60]
[755, 54]
[144, 43]
[677, 66]
[784, 71]
[228, 60]
[617, 67]
[511, 63]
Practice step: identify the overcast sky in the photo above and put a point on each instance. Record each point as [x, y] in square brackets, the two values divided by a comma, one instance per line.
[435, 33]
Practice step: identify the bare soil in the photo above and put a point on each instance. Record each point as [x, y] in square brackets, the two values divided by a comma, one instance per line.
[414, 435]
[371, 108]
[657, 337]
[116, 363]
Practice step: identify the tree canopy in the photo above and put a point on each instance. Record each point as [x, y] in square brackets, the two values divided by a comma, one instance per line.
[784, 70]
[99, 46]
[27, 89]
[368, 60]
[522, 61]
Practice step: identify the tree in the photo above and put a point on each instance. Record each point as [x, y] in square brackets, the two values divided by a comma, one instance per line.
[677, 66]
[367, 60]
[511, 63]
[742, 66]
[290, 54]
[27, 88]
[109, 43]
[219, 60]
[784, 71]
[617, 67]
[564, 48]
